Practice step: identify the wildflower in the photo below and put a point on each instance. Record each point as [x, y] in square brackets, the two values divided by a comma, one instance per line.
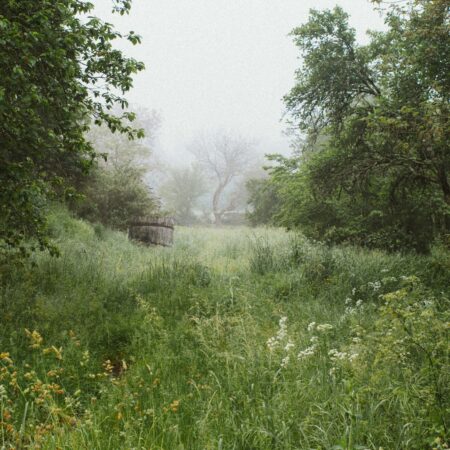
[376, 285]
[284, 362]
[56, 351]
[174, 406]
[35, 337]
[108, 367]
[54, 372]
[281, 335]
[314, 339]
[3, 393]
[309, 351]
[6, 359]
[288, 346]
[4, 356]
[272, 343]
[359, 303]
[312, 326]
[324, 327]
[336, 355]
[348, 301]
[353, 291]
[84, 358]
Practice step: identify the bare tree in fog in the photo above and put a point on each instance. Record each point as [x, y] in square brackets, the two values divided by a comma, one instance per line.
[224, 157]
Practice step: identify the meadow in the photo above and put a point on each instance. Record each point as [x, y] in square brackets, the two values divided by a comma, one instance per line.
[234, 338]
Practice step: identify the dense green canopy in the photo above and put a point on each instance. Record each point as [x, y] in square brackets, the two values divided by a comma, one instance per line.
[59, 72]
[375, 166]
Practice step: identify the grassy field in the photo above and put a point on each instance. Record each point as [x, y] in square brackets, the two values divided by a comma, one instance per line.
[232, 339]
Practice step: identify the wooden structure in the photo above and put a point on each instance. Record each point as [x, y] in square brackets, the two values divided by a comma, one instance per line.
[152, 230]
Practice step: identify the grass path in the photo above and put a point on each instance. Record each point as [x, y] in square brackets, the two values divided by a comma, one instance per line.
[232, 339]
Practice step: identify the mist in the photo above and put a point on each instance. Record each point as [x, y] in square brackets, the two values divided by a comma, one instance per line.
[220, 64]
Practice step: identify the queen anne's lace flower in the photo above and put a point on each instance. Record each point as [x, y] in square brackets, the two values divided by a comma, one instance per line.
[288, 346]
[309, 351]
[276, 341]
[284, 362]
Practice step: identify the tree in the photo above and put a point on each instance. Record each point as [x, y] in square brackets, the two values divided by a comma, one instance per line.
[380, 173]
[225, 158]
[115, 190]
[117, 150]
[263, 201]
[114, 195]
[59, 72]
[181, 191]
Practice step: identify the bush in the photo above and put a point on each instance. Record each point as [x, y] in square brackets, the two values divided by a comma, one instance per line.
[113, 196]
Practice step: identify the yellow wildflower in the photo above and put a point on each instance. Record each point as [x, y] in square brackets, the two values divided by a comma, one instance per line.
[35, 338]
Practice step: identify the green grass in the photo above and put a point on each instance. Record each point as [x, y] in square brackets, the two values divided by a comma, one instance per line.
[167, 348]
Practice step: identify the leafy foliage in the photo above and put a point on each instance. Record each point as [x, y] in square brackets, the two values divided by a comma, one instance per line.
[58, 72]
[113, 196]
[263, 201]
[116, 191]
[374, 170]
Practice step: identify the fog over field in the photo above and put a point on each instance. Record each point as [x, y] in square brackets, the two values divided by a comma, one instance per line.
[224, 224]
[220, 64]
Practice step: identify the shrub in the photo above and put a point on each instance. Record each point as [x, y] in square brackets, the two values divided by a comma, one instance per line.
[113, 196]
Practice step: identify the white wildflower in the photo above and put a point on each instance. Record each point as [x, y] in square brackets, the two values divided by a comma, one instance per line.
[276, 341]
[312, 326]
[324, 327]
[359, 303]
[354, 291]
[314, 339]
[272, 343]
[348, 301]
[288, 346]
[309, 351]
[335, 354]
[284, 362]
[376, 285]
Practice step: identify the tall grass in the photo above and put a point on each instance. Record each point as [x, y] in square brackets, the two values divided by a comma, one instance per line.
[232, 339]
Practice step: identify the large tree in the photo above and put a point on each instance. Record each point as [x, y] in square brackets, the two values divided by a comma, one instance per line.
[225, 158]
[59, 72]
[375, 169]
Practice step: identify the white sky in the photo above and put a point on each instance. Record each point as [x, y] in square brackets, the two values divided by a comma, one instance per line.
[221, 64]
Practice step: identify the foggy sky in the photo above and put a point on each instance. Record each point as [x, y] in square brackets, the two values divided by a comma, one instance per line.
[221, 64]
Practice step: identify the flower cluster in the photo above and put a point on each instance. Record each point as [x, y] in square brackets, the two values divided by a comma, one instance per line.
[277, 340]
[281, 341]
